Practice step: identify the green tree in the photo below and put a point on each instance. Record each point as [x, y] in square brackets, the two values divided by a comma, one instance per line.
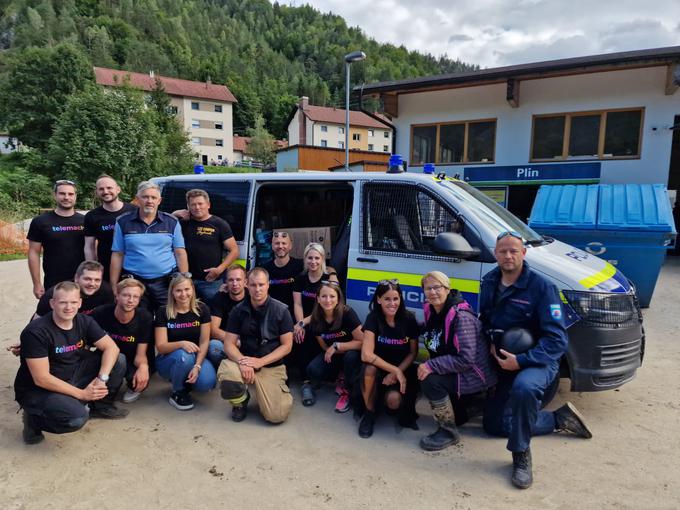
[36, 87]
[114, 132]
[261, 144]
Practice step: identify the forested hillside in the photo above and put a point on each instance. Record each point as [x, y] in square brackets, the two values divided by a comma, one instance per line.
[267, 54]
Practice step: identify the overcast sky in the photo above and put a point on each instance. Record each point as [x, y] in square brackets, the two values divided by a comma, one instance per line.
[494, 33]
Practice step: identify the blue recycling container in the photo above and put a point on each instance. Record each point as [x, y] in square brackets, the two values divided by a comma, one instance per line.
[629, 225]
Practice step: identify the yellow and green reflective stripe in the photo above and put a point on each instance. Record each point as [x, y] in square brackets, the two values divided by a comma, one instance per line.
[599, 277]
[371, 275]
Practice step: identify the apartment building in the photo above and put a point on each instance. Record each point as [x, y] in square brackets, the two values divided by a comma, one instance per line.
[323, 126]
[204, 110]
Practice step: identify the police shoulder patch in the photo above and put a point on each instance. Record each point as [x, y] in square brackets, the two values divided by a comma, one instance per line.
[556, 311]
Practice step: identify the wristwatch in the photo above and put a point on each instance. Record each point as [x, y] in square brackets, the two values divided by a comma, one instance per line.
[336, 346]
[301, 324]
[103, 378]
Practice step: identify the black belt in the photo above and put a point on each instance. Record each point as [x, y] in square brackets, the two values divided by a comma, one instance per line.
[128, 274]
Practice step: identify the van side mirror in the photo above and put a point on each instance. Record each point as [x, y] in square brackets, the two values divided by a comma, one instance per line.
[450, 243]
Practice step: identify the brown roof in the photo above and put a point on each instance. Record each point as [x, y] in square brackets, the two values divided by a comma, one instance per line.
[337, 116]
[173, 86]
[637, 58]
[241, 143]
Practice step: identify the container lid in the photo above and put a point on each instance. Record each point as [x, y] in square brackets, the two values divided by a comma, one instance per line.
[627, 207]
[635, 207]
[568, 207]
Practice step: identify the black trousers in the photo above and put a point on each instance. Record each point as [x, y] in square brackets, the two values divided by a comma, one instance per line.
[406, 414]
[438, 387]
[58, 413]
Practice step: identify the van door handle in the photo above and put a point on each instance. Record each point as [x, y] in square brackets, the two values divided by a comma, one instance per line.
[365, 259]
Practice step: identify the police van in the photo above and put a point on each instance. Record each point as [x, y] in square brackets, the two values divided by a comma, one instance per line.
[384, 226]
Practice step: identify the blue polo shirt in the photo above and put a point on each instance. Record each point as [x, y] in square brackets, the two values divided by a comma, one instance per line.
[148, 250]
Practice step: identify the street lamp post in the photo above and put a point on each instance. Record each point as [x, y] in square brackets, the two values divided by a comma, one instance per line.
[355, 56]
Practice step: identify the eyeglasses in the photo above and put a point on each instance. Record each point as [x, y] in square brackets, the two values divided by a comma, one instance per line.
[63, 181]
[393, 281]
[178, 274]
[511, 233]
[280, 234]
[434, 288]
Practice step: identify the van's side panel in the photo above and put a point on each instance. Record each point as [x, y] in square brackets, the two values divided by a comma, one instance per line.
[367, 267]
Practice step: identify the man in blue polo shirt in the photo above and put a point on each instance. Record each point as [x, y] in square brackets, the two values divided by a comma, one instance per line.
[148, 245]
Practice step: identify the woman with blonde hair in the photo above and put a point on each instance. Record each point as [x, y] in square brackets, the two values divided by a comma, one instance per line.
[186, 355]
[305, 289]
[459, 362]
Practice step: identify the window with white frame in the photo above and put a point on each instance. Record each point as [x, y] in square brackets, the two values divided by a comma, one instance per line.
[195, 141]
[195, 105]
[341, 144]
[370, 146]
[341, 130]
[324, 129]
[371, 132]
[324, 143]
[195, 123]
[356, 137]
[218, 108]
[219, 142]
[218, 125]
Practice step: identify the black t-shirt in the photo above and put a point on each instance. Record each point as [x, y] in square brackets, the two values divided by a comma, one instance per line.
[63, 243]
[185, 326]
[221, 305]
[103, 296]
[99, 223]
[252, 343]
[282, 280]
[127, 336]
[392, 344]
[205, 243]
[64, 349]
[308, 290]
[342, 333]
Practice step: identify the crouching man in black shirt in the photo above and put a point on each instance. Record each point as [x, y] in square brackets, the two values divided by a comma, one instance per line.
[265, 329]
[131, 327]
[59, 373]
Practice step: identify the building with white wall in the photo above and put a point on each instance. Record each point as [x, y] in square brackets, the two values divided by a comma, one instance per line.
[323, 126]
[611, 118]
[203, 109]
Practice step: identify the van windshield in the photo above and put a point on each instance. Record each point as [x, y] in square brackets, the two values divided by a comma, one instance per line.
[497, 218]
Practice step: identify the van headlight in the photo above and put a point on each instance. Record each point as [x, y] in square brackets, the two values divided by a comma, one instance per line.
[600, 308]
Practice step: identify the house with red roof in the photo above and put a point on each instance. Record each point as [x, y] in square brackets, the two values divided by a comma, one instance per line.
[324, 126]
[204, 109]
[241, 148]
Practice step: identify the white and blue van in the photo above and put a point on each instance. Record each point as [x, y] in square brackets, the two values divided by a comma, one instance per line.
[403, 225]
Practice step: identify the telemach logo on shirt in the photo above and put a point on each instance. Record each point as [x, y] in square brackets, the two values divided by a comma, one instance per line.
[282, 281]
[69, 348]
[392, 341]
[333, 336]
[122, 338]
[182, 325]
[68, 228]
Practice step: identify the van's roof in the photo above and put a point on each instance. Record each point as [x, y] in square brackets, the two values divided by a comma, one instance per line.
[299, 176]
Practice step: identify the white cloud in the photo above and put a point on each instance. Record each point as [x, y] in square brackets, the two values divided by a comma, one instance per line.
[504, 32]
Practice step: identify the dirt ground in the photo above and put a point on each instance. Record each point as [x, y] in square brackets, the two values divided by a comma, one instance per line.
[162, 458]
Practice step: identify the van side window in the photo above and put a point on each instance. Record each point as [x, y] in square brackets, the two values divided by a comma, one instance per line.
[403, 217]
[228, 200]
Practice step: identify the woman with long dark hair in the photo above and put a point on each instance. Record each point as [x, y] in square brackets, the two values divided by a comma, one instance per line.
[337, 329]
[389, 349]
[307, 284]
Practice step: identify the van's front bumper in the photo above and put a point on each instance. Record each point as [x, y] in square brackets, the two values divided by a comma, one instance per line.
[604, 358]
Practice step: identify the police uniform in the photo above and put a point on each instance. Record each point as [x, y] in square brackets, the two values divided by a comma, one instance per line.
[532, 302]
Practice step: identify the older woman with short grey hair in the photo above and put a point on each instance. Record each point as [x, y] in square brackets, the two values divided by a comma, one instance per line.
[459, 362]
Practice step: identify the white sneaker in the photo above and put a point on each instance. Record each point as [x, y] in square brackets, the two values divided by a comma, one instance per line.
[130, 396]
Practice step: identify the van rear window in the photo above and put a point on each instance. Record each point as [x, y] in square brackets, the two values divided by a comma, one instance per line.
[228, 200]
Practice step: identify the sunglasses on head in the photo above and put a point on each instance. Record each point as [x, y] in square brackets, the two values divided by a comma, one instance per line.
[280, 234]
[511, 233]
[63, 181]
[178, 274]
[393, 281]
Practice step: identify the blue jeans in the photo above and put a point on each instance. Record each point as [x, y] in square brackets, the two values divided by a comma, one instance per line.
[205, 291]
[175, 367]
[348, 362]
[515, 410]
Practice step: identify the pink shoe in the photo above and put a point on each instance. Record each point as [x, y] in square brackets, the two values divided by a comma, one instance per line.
[342, 405]
[340, 385]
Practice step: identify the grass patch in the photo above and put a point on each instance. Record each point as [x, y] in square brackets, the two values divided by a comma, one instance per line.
[12, 256]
